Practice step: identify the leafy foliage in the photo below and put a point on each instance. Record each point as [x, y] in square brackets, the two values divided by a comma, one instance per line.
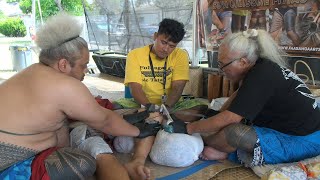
[74, 7]
[25, 6]
[49, 7]
[13, 27]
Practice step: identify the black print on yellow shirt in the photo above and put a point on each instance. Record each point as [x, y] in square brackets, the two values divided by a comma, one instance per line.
[148, 77]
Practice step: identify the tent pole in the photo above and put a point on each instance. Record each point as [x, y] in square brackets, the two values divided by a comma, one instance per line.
[195, 35]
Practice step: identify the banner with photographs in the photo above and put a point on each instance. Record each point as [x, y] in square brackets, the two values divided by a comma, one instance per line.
[294, 24]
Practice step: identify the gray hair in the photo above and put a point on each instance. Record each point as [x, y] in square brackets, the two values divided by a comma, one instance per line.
[59, 38]
[254, 44]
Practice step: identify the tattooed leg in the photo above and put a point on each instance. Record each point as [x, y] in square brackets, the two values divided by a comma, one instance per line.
[241, 136]
[11, 154]
[70, 163]
[245, 140]
[252, 159]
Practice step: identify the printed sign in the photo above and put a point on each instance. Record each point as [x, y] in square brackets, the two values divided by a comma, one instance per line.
[293, 24]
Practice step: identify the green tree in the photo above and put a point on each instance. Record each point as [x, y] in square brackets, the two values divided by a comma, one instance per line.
[25, 6]
[13, 27]
[51, 7]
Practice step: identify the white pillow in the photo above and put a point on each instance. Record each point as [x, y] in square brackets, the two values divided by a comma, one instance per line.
[176, 149]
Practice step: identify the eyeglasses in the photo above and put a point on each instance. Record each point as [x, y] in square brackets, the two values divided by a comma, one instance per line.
[221, 67]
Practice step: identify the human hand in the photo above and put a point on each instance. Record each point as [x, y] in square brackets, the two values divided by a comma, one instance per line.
[179, 127]
[152, 107]
[89, 140]
[147, 129]
[136, 117]
[170, 109]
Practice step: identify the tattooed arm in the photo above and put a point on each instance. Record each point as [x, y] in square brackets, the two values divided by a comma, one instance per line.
[226, 132]
[215, 123]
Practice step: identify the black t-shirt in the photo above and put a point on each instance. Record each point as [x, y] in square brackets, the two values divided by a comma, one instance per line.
[274, 97]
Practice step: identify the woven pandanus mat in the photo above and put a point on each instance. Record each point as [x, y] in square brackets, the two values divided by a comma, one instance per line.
[224, 171]
[239, 173]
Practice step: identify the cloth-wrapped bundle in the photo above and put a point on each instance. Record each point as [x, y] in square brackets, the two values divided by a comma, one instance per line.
[176, 149]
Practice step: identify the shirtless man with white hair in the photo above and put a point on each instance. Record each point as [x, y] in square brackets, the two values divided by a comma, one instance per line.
[36, 103]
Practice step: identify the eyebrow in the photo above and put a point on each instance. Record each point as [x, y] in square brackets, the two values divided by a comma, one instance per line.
[168, 42]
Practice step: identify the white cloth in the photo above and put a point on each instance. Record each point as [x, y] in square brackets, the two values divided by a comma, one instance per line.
[217, 103]
[176, 149]
[93, 145]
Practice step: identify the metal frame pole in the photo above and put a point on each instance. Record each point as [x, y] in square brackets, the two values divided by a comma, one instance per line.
[195, 36]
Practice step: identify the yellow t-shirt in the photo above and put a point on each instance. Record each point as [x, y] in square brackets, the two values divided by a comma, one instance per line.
[138, 70]
[240, 12]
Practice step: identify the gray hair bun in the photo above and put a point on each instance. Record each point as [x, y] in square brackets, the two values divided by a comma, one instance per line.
[250, 33]
[57, 30]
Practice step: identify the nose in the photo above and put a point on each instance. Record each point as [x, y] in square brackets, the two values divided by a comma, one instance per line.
[165, 48]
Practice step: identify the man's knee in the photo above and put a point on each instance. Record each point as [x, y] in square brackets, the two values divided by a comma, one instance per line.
[70, 163]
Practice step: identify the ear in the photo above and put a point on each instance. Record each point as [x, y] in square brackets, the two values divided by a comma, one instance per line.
[155, 35]
[64, 66]
[244, 62]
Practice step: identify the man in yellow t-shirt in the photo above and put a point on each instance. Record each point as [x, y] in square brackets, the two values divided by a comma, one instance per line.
[156, 74]
[159, 69]
[142, 77]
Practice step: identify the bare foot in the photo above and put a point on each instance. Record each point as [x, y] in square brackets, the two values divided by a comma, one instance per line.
[210, 153]
[137, 170]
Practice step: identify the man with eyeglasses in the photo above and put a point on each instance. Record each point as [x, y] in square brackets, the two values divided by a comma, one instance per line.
[221, 65]
[273, 117]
